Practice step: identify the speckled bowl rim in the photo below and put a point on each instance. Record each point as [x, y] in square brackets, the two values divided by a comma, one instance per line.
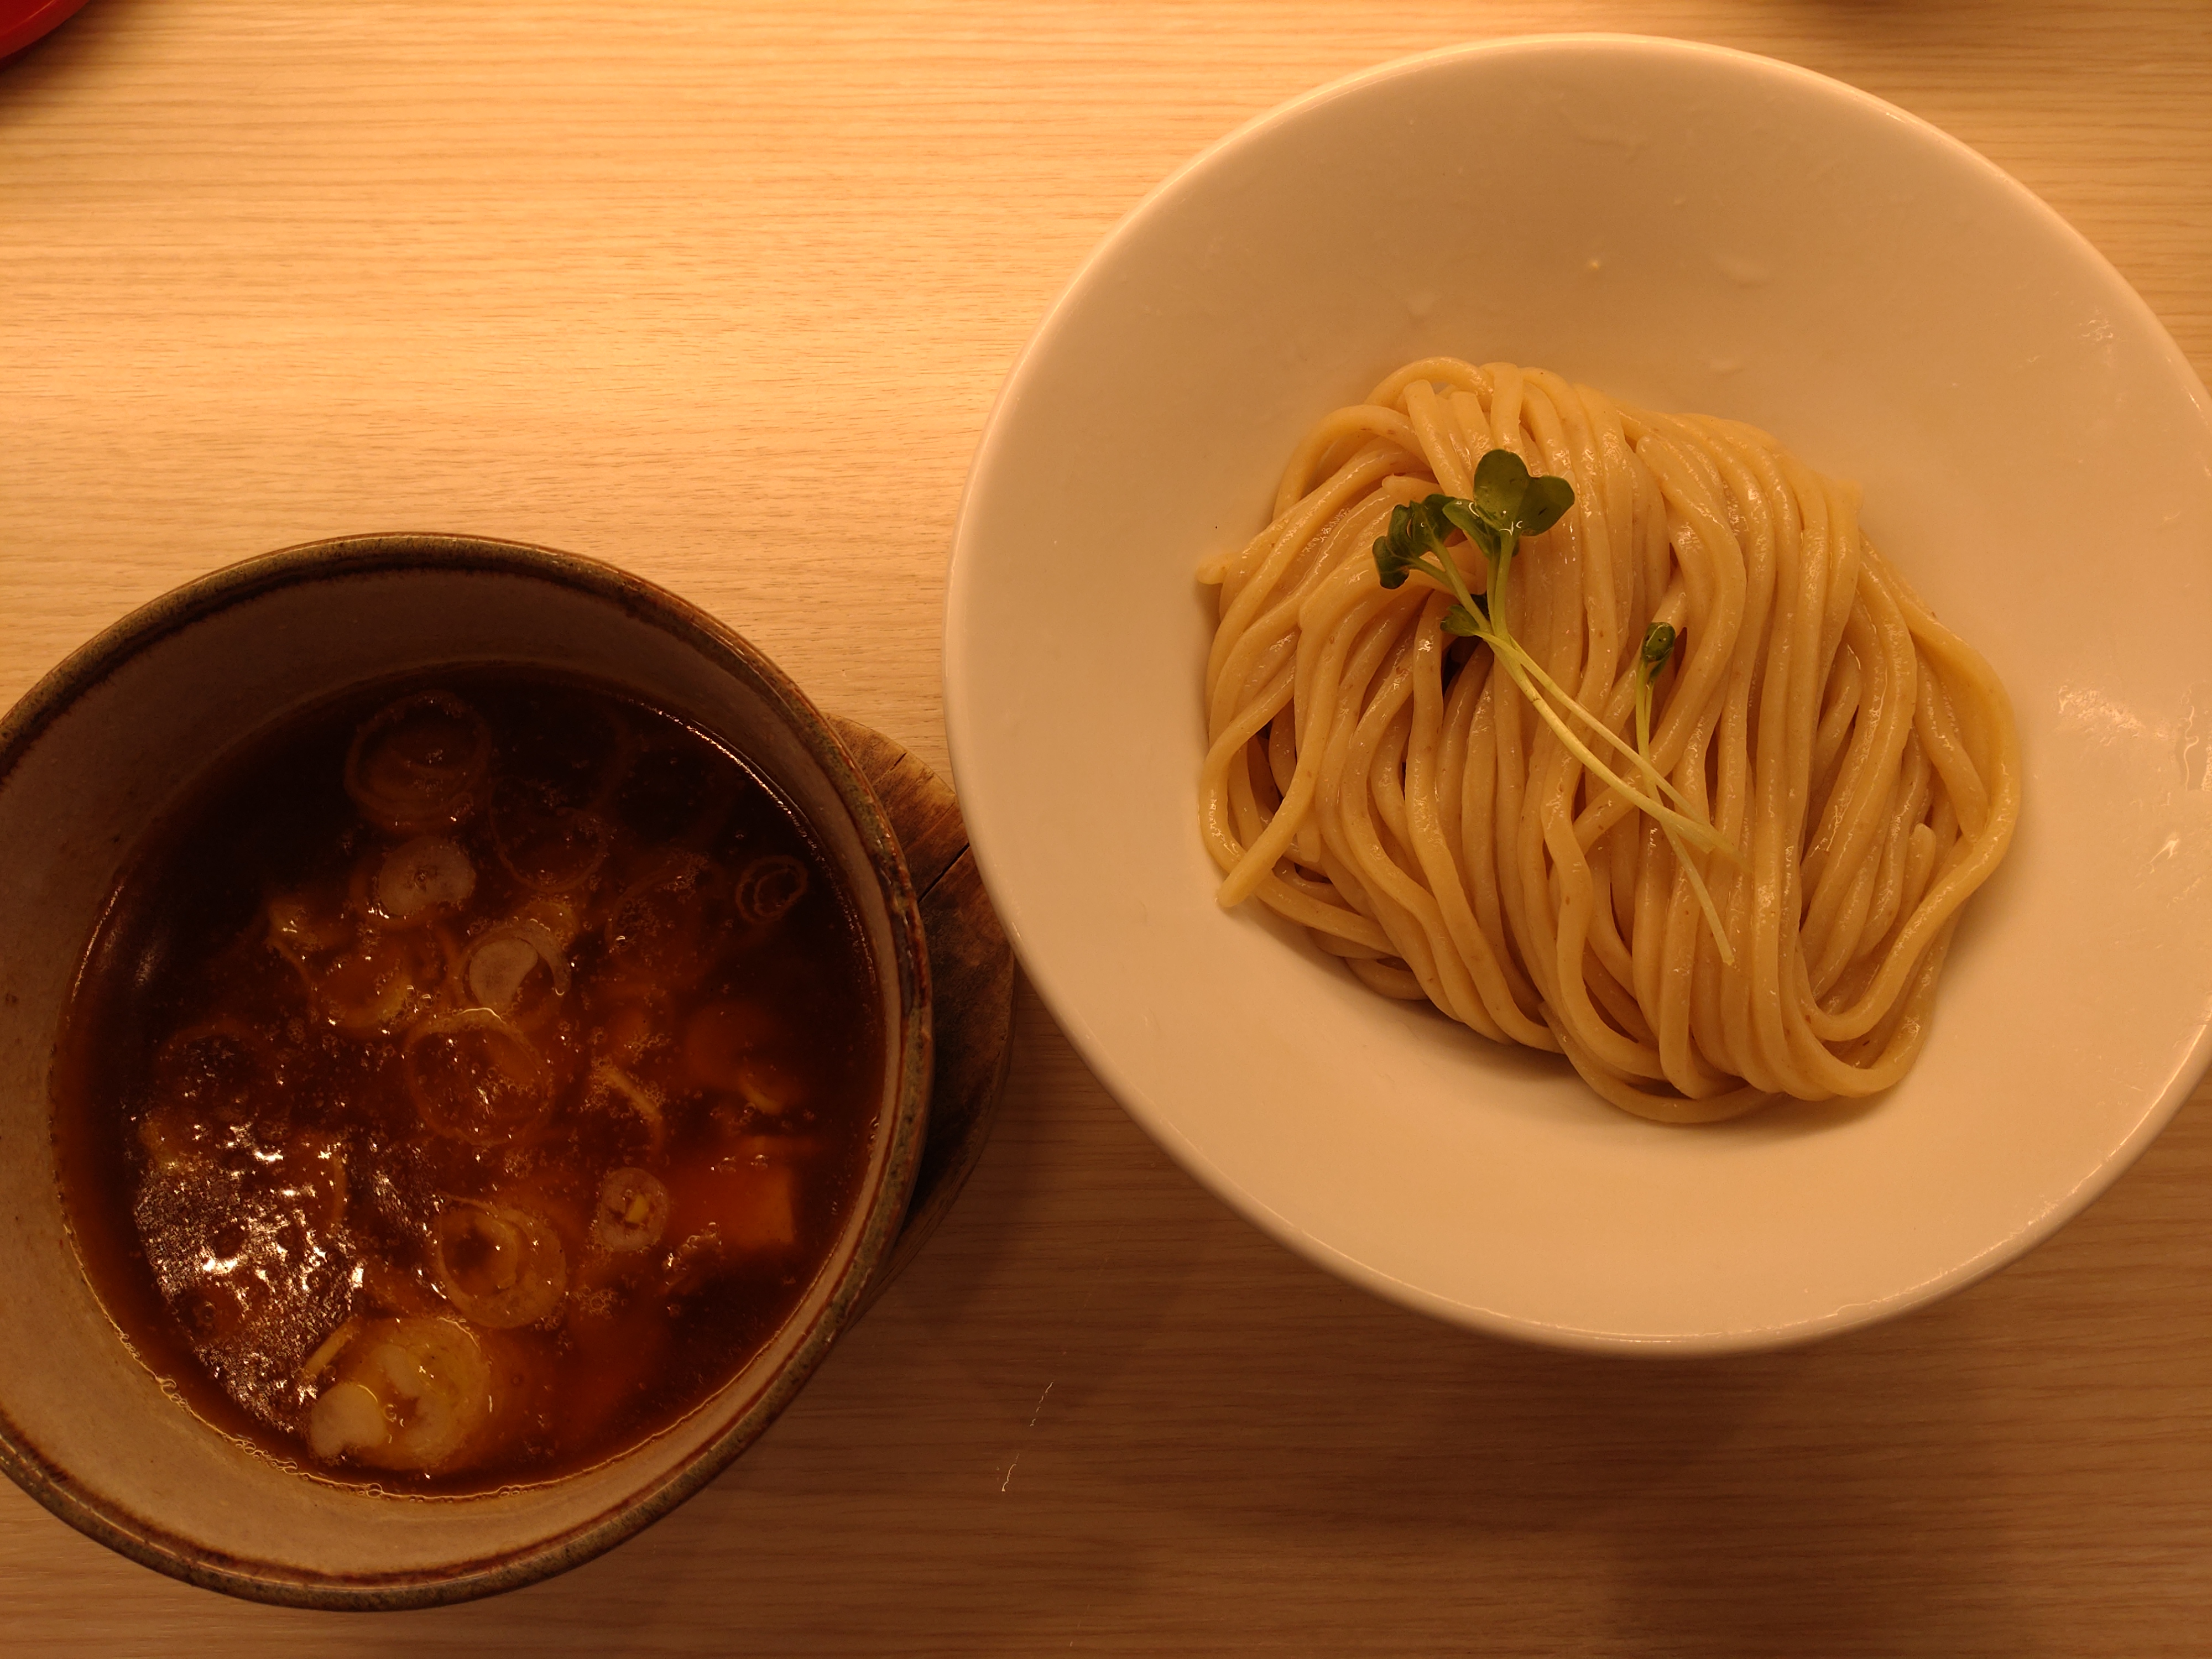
[147, 1542]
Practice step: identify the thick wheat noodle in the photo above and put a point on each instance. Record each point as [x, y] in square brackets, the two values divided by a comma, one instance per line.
[1387, 785]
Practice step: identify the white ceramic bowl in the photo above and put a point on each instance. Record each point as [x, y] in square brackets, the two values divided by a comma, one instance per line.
[89, 761]
[1690, 229]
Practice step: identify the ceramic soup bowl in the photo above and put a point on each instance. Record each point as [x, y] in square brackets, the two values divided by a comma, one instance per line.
[89, 761]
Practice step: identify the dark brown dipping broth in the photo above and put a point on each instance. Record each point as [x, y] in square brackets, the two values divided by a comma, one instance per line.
[467, 1082]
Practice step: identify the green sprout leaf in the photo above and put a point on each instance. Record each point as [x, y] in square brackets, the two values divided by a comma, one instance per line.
[1658, 645]
[1545, 503]
[1501, 479]
[1394, 556]
[1418, 529]
[1464, 623]
[1510, 503]
[1459, 514]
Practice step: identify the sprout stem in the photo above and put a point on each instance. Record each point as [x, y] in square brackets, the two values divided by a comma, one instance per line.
[1521, 667]
[1507, 503]
[1644, 672]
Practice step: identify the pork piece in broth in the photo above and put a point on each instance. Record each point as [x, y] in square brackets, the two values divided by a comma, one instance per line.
[467, 1082]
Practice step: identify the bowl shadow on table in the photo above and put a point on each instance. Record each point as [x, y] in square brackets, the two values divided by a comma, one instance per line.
[1243, 1399]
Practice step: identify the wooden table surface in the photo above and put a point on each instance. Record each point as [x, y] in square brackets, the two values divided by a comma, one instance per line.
[715, 290]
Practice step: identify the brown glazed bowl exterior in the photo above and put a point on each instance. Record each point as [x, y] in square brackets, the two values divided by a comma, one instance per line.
[90, 759]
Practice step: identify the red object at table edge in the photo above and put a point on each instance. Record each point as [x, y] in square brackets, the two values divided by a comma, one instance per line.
[22, 21]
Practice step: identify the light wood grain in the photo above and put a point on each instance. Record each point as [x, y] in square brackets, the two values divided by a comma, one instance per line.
[720, 291]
